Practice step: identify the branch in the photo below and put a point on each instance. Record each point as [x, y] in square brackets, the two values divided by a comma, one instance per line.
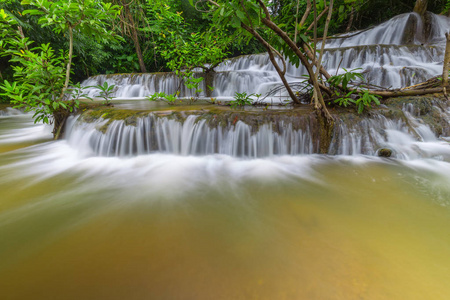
[318, 18]
[397, 93]
[264, 8]
[306, 14]
[325, 32]
[272, 59]
[210, 1]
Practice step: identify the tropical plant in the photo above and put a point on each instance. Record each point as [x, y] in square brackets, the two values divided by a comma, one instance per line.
[38, 73]
[42, 77]
[106, 91]
[170, 99]
[88, 17]
[345, 100]
[193, 83]
[362, 99]
[345, 78]
[366, 100]
[241, 99]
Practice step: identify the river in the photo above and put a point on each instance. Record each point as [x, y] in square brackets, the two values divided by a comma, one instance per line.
[165, 226]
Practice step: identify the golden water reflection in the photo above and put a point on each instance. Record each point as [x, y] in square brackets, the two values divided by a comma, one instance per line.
[363, 231]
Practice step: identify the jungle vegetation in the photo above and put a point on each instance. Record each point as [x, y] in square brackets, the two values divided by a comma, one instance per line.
[48, 45]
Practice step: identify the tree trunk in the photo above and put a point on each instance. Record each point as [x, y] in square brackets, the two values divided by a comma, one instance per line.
[135, 37]
[273, 61]
[421, 7]
[398, 93]
[59, 121]
[446, 61]
[132, 33]
[321, 105]
[350, 21]
[139, 51]
[69, 63]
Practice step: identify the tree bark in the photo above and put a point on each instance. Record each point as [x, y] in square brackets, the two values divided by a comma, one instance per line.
[350, 21]
[69, 63]
[398, 93]
[137, 46]
[421, 7]
[273, 61]
[134, 36]
[304, 61]
[446, 62]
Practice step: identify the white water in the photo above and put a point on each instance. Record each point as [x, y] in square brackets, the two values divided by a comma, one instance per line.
[84, 219]
[406, 134]
[389, 55]
[181, 210]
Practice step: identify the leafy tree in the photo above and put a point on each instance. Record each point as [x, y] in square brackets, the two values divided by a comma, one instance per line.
[131, 19]
[38, 72]
[89, 17]
[41, 77]
[182, 47]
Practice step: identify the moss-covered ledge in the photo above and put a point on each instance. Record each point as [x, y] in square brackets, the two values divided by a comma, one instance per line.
[430, 110]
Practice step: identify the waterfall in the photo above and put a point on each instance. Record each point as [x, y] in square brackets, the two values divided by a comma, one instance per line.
[400, 52]
[10, 112]
[193, 136]
[411, 131]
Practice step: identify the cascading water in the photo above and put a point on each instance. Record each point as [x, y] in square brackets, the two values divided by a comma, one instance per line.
[240, 134]
[230, 204]
[193, 136]
[92, 215]
[398, 53]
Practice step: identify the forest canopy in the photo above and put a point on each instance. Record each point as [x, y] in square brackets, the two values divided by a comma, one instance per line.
[148, 28]
[47, 46]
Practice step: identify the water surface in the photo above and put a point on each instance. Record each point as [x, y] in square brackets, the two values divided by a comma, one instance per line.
[163, 226]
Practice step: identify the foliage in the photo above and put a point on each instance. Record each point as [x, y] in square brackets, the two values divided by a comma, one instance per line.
[194, 83]
[241, 99]
[161, 96]
[88, 17]
[345, 100]
[183, 46]
[125, 63]
[38, 73]
[362, 99]
[446, 7]
[105, 92]
[41, 76]
[365, 100]
[76, 93]
[345, 78]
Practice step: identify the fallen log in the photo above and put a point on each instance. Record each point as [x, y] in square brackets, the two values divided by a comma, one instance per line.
[410, 92]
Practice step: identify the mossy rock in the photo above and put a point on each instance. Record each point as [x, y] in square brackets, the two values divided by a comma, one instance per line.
[384, 152]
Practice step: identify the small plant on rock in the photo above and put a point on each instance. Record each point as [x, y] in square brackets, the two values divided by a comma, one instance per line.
[161, 96]
[106, 91]
[241, 99]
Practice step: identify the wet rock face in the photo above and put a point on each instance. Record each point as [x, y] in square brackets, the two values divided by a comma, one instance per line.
[261, 132]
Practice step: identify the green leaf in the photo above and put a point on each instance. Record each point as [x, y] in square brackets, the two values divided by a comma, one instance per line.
[241, 15]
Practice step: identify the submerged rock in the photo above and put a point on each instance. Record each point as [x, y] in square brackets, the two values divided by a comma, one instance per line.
[384, 152]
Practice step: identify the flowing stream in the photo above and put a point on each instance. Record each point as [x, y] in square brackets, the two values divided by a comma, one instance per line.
[80, 223]
[181, 206]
